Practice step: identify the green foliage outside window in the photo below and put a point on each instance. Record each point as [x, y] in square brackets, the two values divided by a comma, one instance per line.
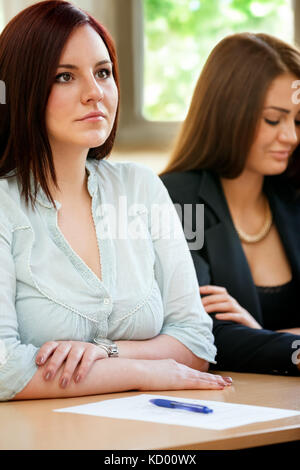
[179, 35]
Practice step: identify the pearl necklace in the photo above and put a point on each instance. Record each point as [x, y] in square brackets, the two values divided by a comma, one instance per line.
[257, 237]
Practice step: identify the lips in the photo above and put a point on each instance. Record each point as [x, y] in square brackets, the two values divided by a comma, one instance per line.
[97, 115]
[281, 154]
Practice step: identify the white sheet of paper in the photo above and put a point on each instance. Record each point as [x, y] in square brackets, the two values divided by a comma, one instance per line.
[224, 416]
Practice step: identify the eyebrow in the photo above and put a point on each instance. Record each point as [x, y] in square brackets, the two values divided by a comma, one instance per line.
[74, 67]
[282, 110]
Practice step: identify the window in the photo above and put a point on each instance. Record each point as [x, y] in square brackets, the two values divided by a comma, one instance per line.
[179, 35]
[150, 115]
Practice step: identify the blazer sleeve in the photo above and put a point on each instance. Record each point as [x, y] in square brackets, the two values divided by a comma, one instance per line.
[244, 349]
[240, 348]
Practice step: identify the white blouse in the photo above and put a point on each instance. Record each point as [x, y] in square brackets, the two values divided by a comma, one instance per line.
[47, 292]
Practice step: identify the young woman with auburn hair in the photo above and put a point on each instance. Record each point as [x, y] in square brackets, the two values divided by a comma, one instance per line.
[85, 310]
[238, 154]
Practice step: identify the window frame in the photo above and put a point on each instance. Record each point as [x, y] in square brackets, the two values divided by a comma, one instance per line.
[135, 131]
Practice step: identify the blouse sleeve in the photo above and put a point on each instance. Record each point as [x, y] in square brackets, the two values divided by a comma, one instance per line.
[184, 316]
[17, 360]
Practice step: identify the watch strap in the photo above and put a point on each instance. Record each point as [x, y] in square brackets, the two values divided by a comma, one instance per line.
[109, 346]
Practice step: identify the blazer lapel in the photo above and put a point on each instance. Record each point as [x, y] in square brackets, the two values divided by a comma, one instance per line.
[229, 266]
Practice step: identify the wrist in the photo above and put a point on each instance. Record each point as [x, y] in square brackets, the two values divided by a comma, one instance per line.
[144, 373]
[109, 346]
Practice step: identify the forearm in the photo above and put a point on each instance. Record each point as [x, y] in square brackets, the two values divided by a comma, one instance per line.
[106, 376]
[161, 347]
[244, 349]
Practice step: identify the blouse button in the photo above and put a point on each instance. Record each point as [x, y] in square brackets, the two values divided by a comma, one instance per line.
[106, 301]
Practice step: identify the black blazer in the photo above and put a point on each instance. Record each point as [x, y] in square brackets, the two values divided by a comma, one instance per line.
[221, 261]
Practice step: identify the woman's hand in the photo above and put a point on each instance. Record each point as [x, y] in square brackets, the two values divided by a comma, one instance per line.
[293, 331]
[77, 357]
[218, 300]
[167, 374]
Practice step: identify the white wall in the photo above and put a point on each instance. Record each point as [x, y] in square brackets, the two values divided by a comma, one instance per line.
[103, 10]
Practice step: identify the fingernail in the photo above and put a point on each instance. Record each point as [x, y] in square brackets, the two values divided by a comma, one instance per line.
[77, 378]
[40, 360]
[64, 382]
[48, 376]
[228, 379]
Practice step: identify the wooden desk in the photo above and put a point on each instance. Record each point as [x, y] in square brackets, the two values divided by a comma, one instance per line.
[33, 425]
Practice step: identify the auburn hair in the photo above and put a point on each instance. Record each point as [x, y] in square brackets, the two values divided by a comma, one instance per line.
[30, 48]
[222, 120]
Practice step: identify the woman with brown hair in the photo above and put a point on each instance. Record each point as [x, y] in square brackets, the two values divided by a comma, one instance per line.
[238, 154]
[92, 296]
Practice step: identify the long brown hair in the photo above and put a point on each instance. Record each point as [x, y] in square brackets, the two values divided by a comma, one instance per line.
[222, 119]
[30, 48]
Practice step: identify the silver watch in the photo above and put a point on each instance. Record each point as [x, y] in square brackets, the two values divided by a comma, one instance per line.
[109, 346]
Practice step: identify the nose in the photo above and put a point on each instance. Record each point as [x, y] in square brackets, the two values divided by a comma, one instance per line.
[289, 134]
[92, 91]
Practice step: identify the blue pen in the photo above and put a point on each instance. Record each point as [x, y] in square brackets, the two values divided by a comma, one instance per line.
[181, 405]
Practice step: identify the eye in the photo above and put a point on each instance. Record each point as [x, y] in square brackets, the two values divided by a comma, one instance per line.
[104, 73]
[297, 122]
[64, 75]
[272, 123]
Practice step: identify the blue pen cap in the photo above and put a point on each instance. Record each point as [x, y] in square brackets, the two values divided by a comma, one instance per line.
[162, 402]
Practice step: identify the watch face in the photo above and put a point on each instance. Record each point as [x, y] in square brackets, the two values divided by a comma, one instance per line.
[114, 352]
